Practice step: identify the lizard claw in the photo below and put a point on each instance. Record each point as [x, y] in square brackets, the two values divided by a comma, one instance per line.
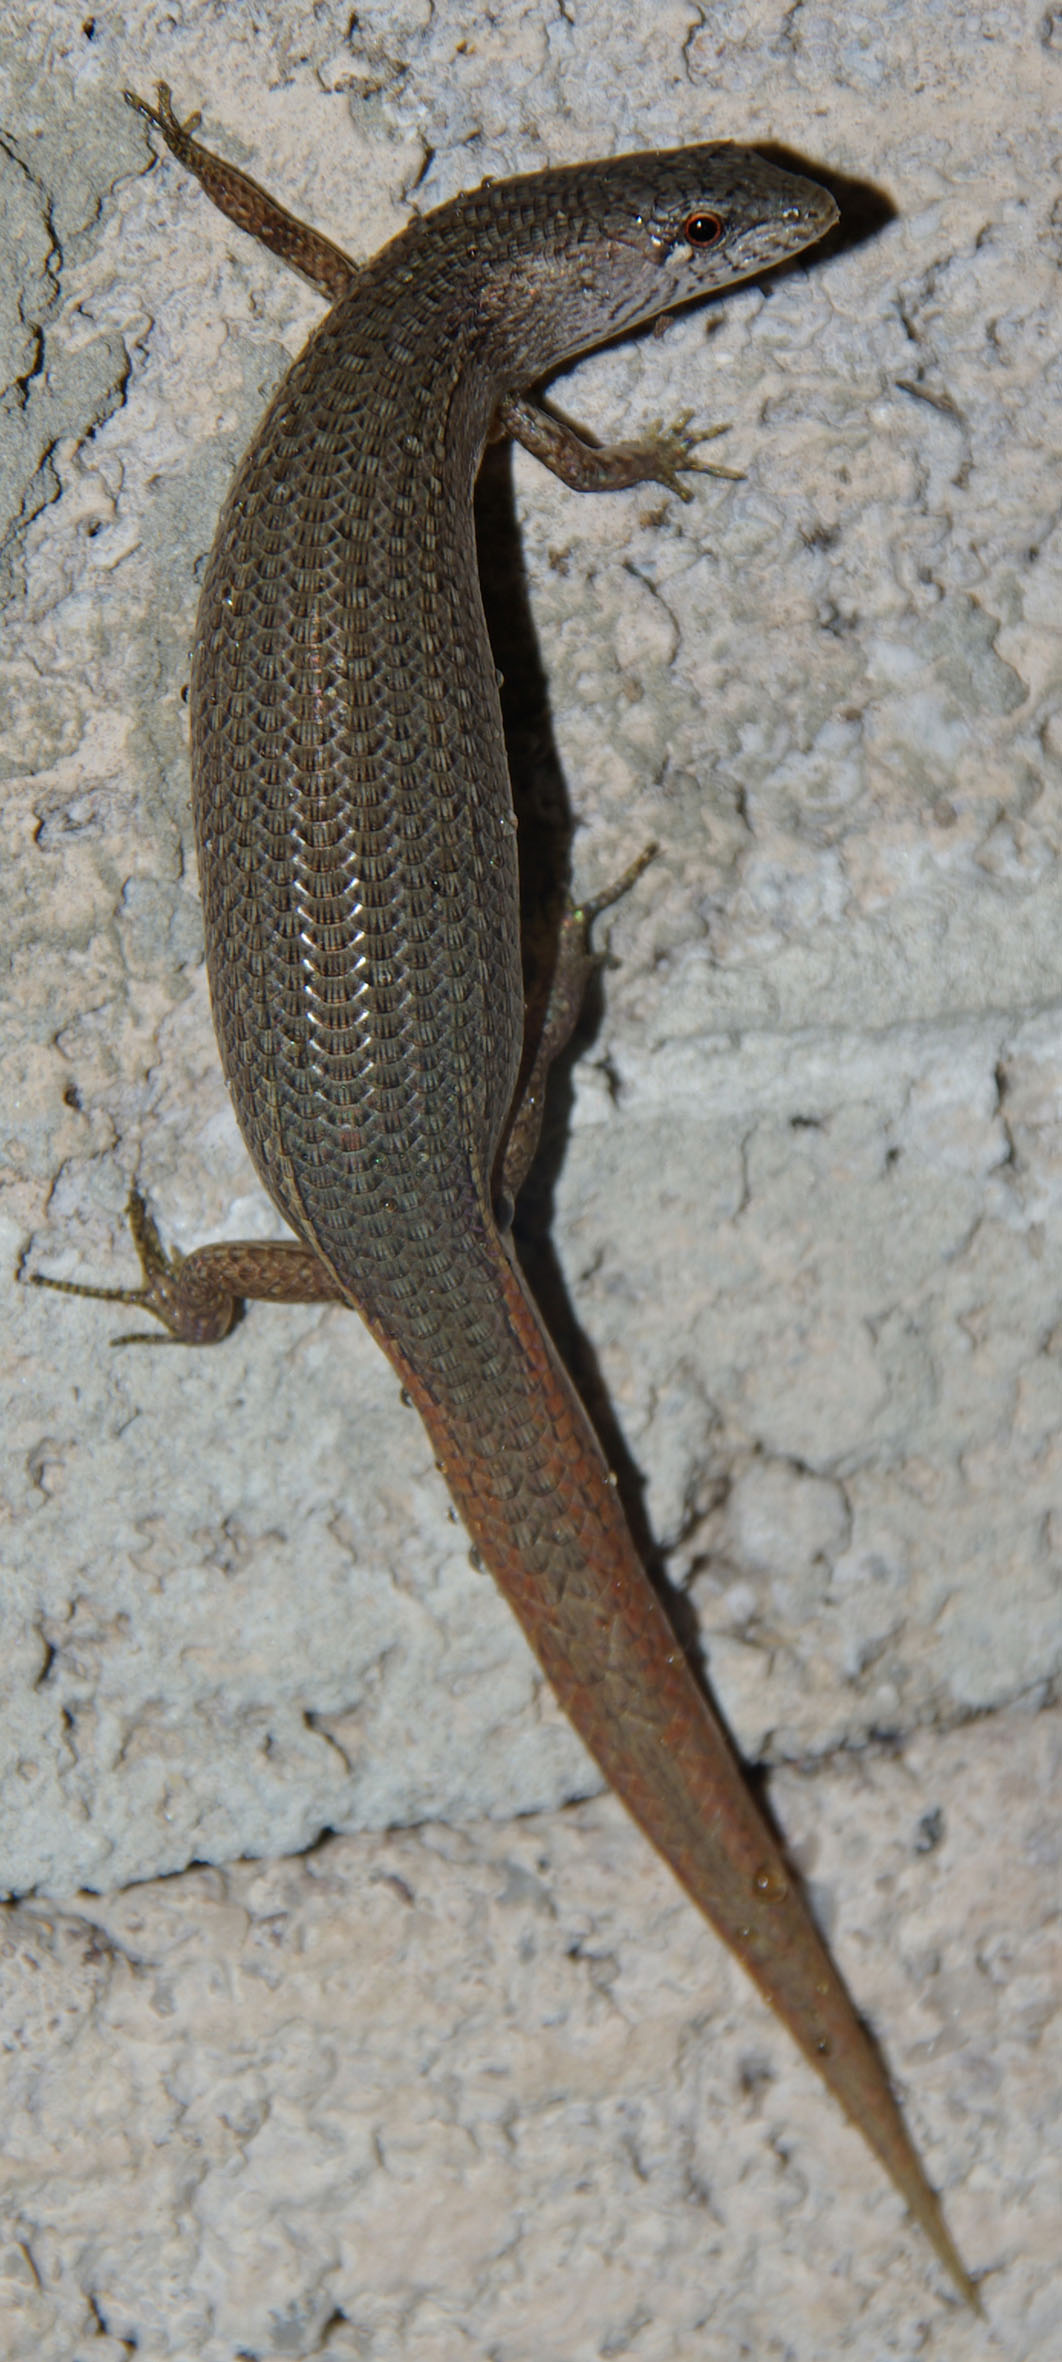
[176, 134]
[668, 451]
[154, 1296]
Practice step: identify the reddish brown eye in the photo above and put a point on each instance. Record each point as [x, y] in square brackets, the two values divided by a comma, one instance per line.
[702, 229]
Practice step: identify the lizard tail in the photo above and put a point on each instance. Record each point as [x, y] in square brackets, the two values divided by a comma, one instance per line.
[528, 1476]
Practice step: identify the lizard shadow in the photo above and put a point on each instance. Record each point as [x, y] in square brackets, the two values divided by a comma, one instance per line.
[546, 828]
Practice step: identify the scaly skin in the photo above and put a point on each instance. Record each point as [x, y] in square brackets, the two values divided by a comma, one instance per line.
[358, 863]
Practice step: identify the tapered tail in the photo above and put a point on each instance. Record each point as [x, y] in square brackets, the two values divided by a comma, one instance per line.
[528, 1476]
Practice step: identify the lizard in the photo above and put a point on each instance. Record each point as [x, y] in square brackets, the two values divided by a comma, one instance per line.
[358, 864]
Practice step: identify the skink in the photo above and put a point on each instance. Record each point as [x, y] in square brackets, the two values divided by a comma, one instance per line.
[358, 861]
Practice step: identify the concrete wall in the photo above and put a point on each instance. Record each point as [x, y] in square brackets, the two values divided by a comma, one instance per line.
[470, 2077]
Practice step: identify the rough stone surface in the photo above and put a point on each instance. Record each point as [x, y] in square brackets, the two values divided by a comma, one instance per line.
[809, 1214]
[497, 2092]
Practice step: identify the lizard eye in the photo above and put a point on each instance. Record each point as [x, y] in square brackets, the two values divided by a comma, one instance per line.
[702, 229]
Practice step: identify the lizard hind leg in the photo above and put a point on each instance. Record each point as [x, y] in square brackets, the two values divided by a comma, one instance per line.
[196, 1298]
